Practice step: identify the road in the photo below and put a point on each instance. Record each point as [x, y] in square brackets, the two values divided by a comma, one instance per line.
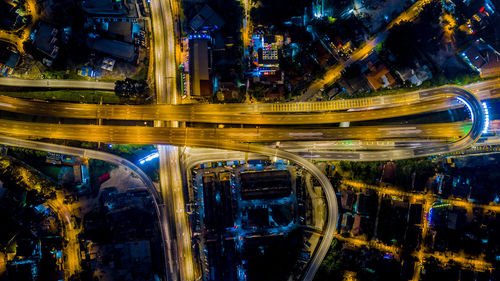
[12, 36]
[179, 113]
[111, 158]
[331, 199]
[56, 83]
[183, 136]
[165, 49]
[72, 257]
[258, 114]
[473, 103]
[334, 72]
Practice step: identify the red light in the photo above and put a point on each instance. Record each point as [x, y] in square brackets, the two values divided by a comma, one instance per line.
[481, 10]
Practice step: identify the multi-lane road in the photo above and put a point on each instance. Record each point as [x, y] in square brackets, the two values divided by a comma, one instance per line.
[135, 134]
[173, 220]
[164, 14]
[260, 114]
[183, 136]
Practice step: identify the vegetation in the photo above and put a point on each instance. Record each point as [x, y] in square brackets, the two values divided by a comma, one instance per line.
[97, 168]
[437, 81]
[367, 172]
[133, 153]
[333, 264]
[266, 14]
[408, 40]
[17, 175]
[130, 88]
[410, 174]
[85, 96]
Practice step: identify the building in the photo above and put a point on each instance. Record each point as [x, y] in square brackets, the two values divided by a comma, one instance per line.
[228, 91]
[45, 40]
[265, 184]
[347, 223]
[379, 76]
[104, 7]
[119, 30]
[122, 261]
[217, 201]
[483, 58]
[483, 17]
[276, 92]
[9, 18]
[8, 56]
[199, 67]
[267, 52]
[114, 48]
[347, 199]
[206, 19]
[361, 225]
[416, 76]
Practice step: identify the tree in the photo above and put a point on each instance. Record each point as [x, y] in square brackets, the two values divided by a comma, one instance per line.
[333, 265]
[336, 180]
[130, 88]
[408, 39]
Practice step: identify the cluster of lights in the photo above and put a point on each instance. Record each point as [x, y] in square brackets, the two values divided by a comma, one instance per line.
[468, 107]
[199, 36]
[149, 157]
[486, 118]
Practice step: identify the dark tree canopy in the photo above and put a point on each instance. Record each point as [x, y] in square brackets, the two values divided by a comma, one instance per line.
[275, 12]
[407, 40]
[130, 88]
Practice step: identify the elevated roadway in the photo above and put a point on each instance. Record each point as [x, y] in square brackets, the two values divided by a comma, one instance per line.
[470, 100]
[183, 136]
[436, 99]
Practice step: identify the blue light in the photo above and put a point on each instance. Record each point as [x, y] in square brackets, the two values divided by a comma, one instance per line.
[110, 145]
[430, 217]
[468, 107]
[486, 118]
[149, 157]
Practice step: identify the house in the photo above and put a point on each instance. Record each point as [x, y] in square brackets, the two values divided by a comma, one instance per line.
[361, 225]
[8, 56]
[275, 93]
[483, 58]
[45, 40]
[347, 222]
[347, 199]
[379, 76]
[207, 18]
[416, 76]
[228, 90]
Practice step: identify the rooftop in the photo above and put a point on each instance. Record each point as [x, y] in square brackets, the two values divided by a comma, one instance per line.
[46, 40]
[113, 48]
